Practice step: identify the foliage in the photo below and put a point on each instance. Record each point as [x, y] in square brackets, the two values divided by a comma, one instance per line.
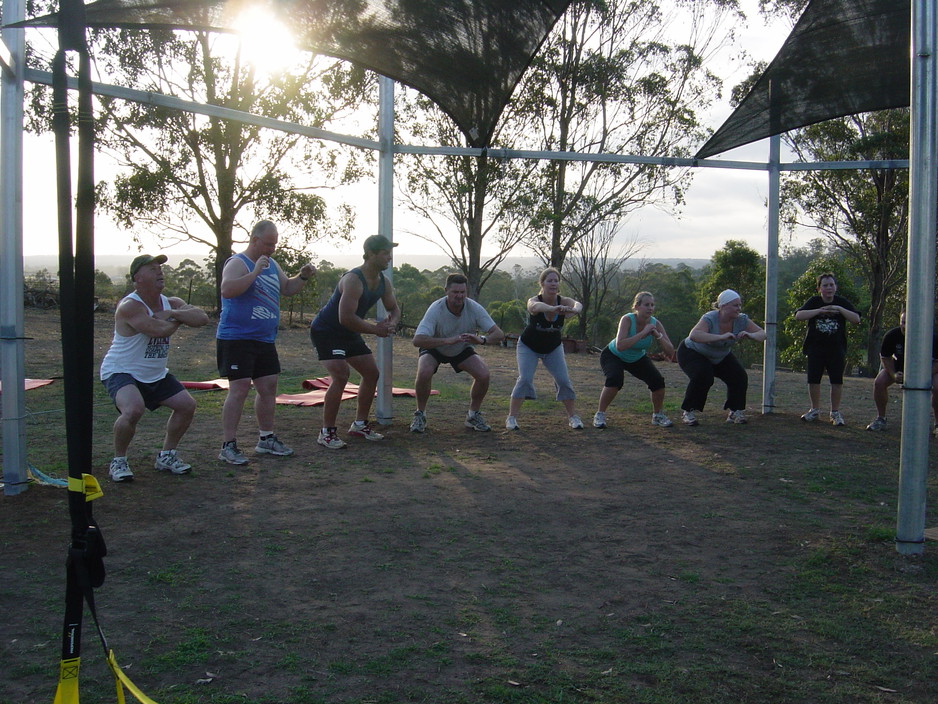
[675, 292]
[613, 77]
[862, 213]
[804, 288]
[190, 177]
[739, 267]
[191, 283]
[510, 316]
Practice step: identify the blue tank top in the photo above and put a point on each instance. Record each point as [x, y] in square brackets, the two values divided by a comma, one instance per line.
[638, 350]
[255, 314]
[327, 320]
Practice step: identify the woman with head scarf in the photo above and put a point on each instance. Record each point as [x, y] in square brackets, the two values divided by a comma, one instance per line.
[707, 353]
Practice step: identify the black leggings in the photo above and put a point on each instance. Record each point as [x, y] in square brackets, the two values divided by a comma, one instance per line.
[701, 372]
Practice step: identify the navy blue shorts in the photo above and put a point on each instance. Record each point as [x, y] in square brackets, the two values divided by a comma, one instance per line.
[153, 394]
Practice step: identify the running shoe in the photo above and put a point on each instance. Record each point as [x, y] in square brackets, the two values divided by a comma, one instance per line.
[837, 418]
[661, 420]
[475, 421]
[812, 415]
[879, 423]
[599, 420]
[419, 423]
[329, 438]
[576, 423]
[231, 454]
[511, 423]
[271, 445]
[169, 462]
[689, 418]
[737, 417]
[120, 470]
[361, 429]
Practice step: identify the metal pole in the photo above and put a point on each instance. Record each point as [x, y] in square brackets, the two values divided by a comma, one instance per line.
[919, 315]
[769, 351]
[12, 355]
[385, 357]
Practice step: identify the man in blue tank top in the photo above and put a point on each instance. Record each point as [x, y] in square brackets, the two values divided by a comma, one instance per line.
[251, 286]
[336, 333]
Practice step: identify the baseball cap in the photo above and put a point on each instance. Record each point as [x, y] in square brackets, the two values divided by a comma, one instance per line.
[376, 243]
[143, 260]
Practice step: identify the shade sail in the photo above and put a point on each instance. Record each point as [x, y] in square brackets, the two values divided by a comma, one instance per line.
[466, 55]
[843, 57]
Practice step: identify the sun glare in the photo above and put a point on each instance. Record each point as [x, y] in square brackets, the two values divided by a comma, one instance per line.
[266, 43]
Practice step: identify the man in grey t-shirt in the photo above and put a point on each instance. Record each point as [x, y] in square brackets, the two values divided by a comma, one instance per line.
[446, 335]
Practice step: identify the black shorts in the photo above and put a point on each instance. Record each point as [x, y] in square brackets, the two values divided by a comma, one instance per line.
[246, 359]
[452, 361]
[832, 359]
[337, 345]
[153, 393]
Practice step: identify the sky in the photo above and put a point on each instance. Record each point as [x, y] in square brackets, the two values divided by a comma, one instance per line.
[721, 204]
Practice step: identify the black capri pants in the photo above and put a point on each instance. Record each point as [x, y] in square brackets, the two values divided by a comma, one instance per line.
[644, 369]
[700, 374]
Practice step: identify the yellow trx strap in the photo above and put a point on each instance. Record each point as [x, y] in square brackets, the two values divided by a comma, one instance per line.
[121, 679]
[67, 691]
[87, 485]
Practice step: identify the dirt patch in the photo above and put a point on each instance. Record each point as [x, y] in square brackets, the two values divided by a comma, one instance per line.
[425, 567]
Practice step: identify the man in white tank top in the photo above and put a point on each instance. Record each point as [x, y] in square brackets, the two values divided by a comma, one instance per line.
[134, 369]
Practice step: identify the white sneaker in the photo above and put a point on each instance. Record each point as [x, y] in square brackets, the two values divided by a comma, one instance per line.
[271, 445]
[475, 421]
[689, 418]
[330, 439]
[661, 420]
[737, 417]
[812, 415]
[419, 423]
[599, 420]
[576, 423]
[363, 430]
[837, 418]
[511, 423]
[878, 423]
[231, 454]
[120, 470]
[168, 462]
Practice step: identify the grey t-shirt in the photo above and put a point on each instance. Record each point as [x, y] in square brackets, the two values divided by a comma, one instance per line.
[716, 352]
[439, 322]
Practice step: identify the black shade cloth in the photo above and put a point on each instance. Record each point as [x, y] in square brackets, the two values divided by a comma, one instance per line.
[843, 57]
[466, 55]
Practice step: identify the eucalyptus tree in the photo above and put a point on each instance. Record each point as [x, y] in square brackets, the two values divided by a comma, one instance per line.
[188, 177]
[620, 77]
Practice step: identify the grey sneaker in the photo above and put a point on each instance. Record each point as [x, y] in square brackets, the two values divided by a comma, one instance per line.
[120, 470]
[231, 454]
[879, 423]
[364, 431]
[511, 423]
[169, 462]
[576, 423]
[475, 421]
[812, 415]
[599, 420]
[737, 417]
[330, 439]
[271, 445]
[419, 423]
[837, 418]
[689, 418]
[661, 420]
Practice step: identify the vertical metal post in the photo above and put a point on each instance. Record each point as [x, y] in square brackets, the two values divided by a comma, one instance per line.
[769, 351]
[12, 356]
[385, 356]
[919, 315]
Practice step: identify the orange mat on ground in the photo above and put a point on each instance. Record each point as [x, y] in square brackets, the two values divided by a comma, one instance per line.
[32, 384]
[205, 385]
[324, 381]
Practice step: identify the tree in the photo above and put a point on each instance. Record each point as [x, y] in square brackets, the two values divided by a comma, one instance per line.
[862, 213]
[190, 177]
[591, 271]
[613, 78]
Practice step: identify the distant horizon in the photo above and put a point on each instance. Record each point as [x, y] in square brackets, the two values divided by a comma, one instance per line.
[115, 265]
